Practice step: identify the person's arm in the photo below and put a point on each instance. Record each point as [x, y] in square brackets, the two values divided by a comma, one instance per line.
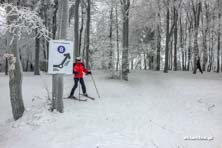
[86, 70]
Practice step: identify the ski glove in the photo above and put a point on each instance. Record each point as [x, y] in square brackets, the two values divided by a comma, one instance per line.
[89, 73]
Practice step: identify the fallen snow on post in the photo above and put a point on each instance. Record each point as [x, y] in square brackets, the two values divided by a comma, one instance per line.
[152, 110]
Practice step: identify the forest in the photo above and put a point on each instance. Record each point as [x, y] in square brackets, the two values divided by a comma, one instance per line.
[118, 35]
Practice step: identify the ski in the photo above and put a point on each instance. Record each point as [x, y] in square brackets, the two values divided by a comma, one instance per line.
[77, 99]
[88, 97]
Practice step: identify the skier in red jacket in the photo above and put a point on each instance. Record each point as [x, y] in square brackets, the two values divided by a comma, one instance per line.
[78, 70]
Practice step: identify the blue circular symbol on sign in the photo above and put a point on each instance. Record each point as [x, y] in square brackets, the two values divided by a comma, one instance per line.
[61, 49]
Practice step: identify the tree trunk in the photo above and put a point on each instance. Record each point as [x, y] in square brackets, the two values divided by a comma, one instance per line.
[27, 64]
[88, 33]
[167, 41]
[158, 38]
[210, 54]
[158, 44]
[196, 50]
[205, 55]
[151, 62]
[57, 91]
[37, 50]
[76, 30]
[15, 83]
[189, 48]
[54, 19]
[6, 66]
[117, 39]
[125, 52]
[175, 39]
[82, 27]
[132, 63]
[111, 53]
[218, 38]
[15, 72]
[170, 66]
[145, 58]
[205, 31]
[218, 52]
[182, 46]
[158, 48]
[211, 48]
[196, 13]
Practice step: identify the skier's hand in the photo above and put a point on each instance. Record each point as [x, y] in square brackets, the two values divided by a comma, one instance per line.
[89, 72]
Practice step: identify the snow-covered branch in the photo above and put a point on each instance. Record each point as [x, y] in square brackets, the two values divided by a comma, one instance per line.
[26, 21]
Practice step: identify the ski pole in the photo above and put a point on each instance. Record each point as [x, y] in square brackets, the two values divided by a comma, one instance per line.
[95, 86]
[79, 88]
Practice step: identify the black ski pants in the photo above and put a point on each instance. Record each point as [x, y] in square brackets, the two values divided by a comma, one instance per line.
[76, 81]
[199, 67]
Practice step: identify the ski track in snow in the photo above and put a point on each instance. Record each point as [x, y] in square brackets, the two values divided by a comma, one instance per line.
[152, 110]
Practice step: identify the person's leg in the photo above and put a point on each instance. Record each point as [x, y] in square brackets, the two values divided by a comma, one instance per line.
[76, 80]
[195, 70]
[200, 69]
[83, 85]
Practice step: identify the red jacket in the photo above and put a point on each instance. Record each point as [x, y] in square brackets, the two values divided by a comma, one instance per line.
[79, 69]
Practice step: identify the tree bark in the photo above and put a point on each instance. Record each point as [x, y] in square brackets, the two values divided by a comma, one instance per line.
[15, 83]
[117, 39]
[218, 52]
[125, 52]
[88, 33]
[170, 63]
[57, 81]
[37, 50]
[211, 47]
[158, 47]
[175, 39]
[54, 19]
[189, 47]
[15, 72]
[196, 14]
[76, 30]
[167, 41]
[27, 64]
[182, 45]
[82, 27]
[132, 63]
[218, 38]
[6, 66]
[111, 53]
[158, 39]
[205, 31]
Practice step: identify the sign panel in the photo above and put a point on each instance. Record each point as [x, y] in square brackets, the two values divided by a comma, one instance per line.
[60, 57]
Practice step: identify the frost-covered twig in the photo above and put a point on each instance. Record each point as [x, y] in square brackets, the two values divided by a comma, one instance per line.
[26, 21]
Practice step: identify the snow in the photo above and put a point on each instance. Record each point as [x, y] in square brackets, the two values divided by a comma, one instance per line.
[152, 110]
[2, 19]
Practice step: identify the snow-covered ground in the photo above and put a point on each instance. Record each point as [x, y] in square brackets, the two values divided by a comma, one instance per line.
[152, 110]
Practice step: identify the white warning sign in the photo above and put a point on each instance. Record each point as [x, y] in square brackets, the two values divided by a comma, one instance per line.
[60, 57]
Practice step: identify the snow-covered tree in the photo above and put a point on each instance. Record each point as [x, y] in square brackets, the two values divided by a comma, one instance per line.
[62, 23]
[16, 22]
